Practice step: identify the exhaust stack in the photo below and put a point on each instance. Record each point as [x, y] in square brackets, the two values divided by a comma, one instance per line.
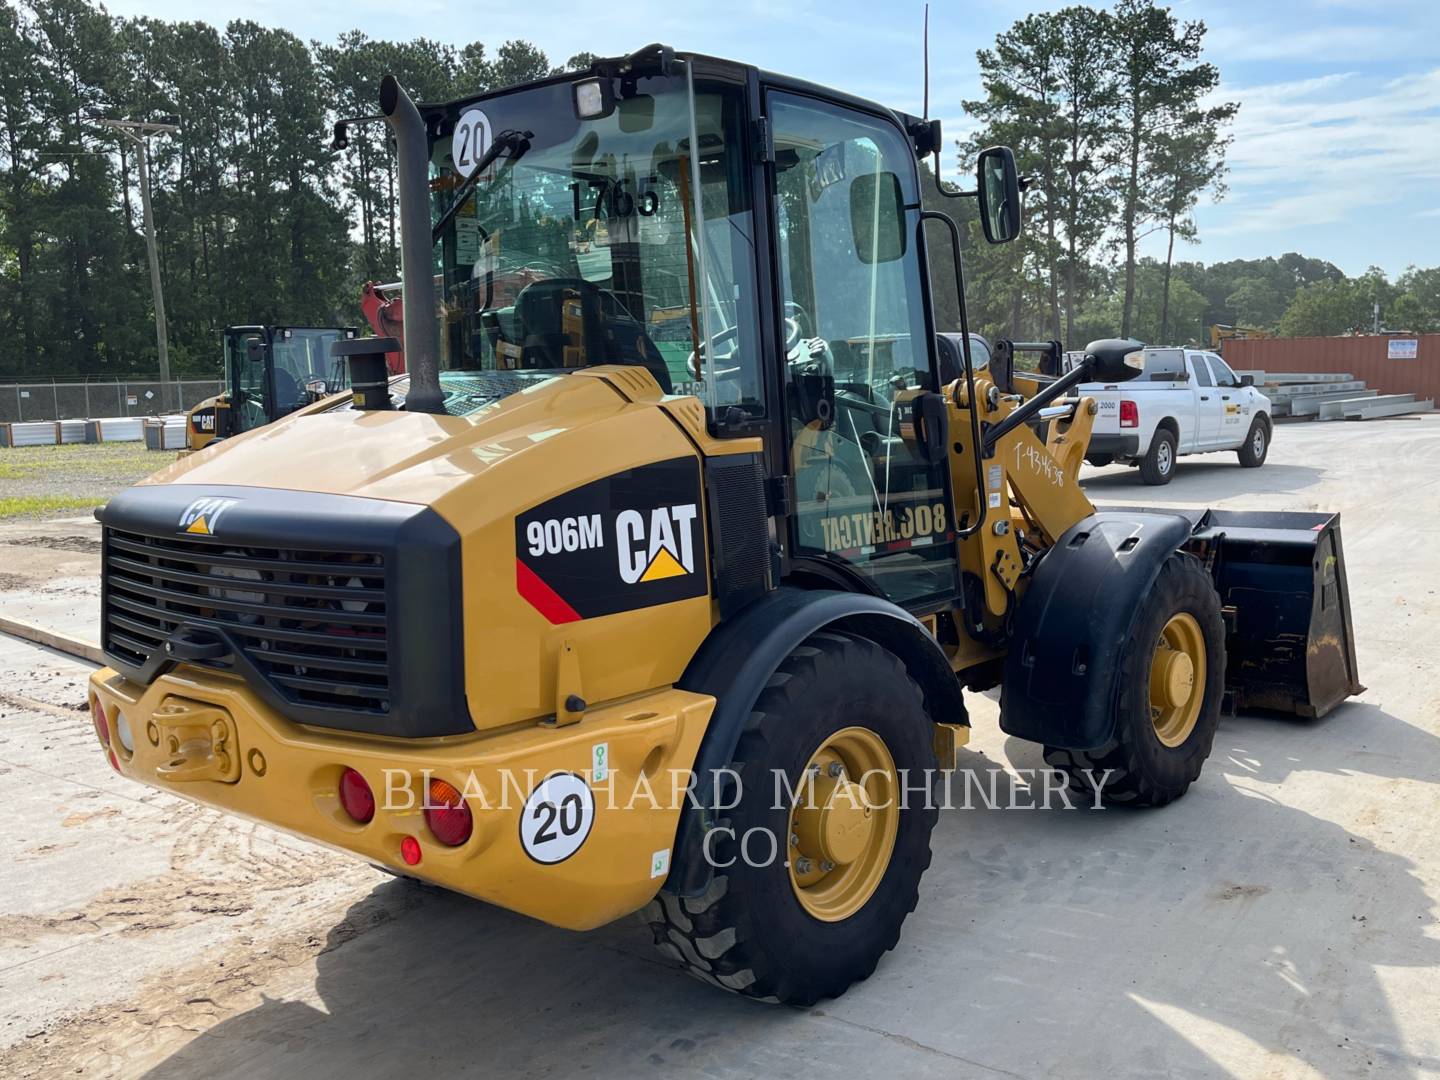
[412, 153]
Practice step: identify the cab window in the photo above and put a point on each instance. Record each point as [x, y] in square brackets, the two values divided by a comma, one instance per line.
[856, 349]
[1224, 376]
[1202, 370]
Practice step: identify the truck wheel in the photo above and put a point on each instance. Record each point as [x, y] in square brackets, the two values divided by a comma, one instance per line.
[810, 892]
[1099, 460]
[1171, 679]
[1158, 465]
[1256, 444]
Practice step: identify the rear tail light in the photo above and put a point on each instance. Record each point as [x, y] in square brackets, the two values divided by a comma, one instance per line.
[97, 715]
[356, 797]
[410, 850]
[447, 814]
[1129, 414]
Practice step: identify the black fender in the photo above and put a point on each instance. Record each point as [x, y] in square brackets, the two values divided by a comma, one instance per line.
[1070, 626]
[735, 662]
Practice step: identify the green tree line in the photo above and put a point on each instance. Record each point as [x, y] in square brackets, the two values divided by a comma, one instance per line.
[1114, 118]
[1111, 112]
[258, 219]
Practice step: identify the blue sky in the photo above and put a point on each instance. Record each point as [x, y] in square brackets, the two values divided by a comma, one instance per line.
[1337, 144]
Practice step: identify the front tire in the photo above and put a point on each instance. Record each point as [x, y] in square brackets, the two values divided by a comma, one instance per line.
[821, 914]
[1256, 445]
[1171, 681]
[1158, 465]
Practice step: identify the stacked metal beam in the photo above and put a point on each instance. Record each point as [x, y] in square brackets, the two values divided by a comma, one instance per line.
[1331, 396]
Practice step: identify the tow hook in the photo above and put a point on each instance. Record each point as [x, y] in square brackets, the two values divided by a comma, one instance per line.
[199, 741]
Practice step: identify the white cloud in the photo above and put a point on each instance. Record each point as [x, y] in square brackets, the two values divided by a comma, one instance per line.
[1306, 155]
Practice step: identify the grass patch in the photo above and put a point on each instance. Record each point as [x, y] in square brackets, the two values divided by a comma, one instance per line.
[40, 505]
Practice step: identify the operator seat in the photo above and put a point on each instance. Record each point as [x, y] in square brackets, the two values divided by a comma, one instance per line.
[288, 394]
[567, 315]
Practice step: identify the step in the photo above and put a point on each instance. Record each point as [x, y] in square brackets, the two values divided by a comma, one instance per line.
[1335, 410]
[1296, 390]
[1398, 408]
[1310, 406]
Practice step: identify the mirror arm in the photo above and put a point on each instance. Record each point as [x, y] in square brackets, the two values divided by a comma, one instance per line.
[940, 187]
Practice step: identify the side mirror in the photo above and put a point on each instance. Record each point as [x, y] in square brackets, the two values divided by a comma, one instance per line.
[1115, 360]
[877, 217]
[998, 186]
[1247, 380]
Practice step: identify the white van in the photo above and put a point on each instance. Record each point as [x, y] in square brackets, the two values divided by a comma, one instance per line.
[1185, 402]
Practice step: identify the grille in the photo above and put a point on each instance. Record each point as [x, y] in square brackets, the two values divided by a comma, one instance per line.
[312, 623]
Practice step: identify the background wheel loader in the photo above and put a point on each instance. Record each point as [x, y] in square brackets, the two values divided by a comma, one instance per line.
[467, 623]
[270, 371]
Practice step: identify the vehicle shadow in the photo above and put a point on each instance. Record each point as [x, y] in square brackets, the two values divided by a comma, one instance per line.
[1127, 943]
[1204, 470]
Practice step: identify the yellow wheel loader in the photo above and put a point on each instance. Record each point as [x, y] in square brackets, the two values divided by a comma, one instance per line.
[536, 624]
[270, 371]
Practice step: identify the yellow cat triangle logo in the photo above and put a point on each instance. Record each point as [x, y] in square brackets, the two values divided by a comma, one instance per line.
[199, 526]
[664, 565]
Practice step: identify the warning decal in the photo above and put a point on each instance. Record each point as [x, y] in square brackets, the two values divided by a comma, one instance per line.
[630, 540]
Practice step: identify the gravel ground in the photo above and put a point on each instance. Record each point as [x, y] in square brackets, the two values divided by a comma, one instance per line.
[1280, 921]
[43, 481]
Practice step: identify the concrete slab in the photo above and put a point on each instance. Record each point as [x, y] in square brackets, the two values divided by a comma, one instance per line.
[1278, 921]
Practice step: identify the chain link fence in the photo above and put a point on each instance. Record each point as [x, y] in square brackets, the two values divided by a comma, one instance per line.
[23, 402]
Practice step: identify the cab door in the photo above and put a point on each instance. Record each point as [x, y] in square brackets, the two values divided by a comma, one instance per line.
[856, 336]
[1209, 408]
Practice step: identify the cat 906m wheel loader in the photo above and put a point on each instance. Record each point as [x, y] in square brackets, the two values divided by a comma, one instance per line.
[683, 479]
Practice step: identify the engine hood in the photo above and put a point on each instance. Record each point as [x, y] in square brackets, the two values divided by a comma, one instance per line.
[400, 456]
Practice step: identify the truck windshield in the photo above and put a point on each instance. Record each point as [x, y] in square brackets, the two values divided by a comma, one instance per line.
[623, 239]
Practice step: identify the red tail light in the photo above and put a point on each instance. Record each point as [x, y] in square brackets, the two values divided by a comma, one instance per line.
[410, 850]
[447, 815]
[97, 714]
[1129, 414]
[356, 797]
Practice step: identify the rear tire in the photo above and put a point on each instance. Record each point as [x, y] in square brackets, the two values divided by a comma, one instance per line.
[1156, 753]
[1158, 465]
[1256, 445]
[1099, 460]
[755, 930]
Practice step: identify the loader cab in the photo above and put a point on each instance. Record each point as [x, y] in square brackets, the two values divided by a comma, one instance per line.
[271, 371]
[749, 239]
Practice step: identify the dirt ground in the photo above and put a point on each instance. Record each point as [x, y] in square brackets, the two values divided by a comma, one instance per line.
[1279, 921]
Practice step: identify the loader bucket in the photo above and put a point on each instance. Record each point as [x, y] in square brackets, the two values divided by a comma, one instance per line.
[1281, 577]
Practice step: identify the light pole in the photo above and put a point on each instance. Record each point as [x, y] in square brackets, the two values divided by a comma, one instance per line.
[138, 132]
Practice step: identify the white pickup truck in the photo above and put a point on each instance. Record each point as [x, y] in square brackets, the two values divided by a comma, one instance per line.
[1185, 402]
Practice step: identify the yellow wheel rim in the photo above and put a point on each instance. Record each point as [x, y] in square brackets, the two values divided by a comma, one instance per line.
[1177, 679]
[843, 824]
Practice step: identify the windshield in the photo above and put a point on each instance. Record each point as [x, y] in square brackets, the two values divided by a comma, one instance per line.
[302, 355]
[624, 239]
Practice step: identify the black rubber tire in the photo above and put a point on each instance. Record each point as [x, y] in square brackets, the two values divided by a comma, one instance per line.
[1260, 429]
[1158, 466]
[748, 932]
[1100, 460]
[1146, 772]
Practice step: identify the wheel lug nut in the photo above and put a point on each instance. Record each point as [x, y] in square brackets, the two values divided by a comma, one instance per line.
[794, 839]
[826, 865]
[837, 770]
[803, 866]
